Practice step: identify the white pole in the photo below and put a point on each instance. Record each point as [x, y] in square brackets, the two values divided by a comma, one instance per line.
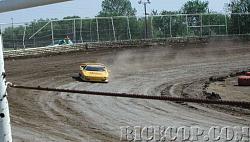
[97, 30]
[113, 27]
[201, 24]
[90, 30]
[226, 24]
[24, 34]
[5, 128]
[74, 22]
[238, 23]
[129, 32]
[170, 26]
[187, 23]
[81, 31]
[152, 27]
[52, 33]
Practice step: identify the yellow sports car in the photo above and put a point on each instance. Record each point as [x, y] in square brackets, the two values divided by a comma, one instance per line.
[94, 72]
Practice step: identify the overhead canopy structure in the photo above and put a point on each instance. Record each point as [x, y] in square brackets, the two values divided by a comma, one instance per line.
[11, 5]
[5, 6]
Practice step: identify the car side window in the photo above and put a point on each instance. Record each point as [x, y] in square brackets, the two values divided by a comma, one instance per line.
[82, 67]
[61, 42]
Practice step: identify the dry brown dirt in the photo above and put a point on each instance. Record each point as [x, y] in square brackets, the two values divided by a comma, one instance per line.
[47, 116]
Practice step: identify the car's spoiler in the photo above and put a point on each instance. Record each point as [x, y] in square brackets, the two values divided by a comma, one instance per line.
[85, 64]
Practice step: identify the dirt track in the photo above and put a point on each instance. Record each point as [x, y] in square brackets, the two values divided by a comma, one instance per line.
[47, 116]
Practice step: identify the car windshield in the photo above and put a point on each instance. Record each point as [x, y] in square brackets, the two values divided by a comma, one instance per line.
[94, 68]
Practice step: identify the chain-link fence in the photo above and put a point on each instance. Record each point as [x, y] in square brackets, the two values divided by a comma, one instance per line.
[52, 32]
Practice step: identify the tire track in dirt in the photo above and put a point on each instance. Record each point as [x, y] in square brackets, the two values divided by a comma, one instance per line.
[43, 116]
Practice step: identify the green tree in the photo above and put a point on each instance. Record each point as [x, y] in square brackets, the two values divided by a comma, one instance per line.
[71, 17]
[116, 8]
[154, 12]
[239, 6]
[195, 6]
[112, 8]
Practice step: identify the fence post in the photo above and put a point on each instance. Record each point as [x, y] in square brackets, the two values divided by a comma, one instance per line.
[170, 26]
[152, 27]
[81, 31]
[13, 38]
[129, 32]
[74, 30]
[97, 29]
[24, 35]
[34, 39]
[201, 25]
[52, 33]
[5, 127]
[187, 23]
[226, 24]
[113, 27]
[238, 23]
[90, 31]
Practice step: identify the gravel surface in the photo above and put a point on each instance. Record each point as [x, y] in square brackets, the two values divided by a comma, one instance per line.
[47, 116]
